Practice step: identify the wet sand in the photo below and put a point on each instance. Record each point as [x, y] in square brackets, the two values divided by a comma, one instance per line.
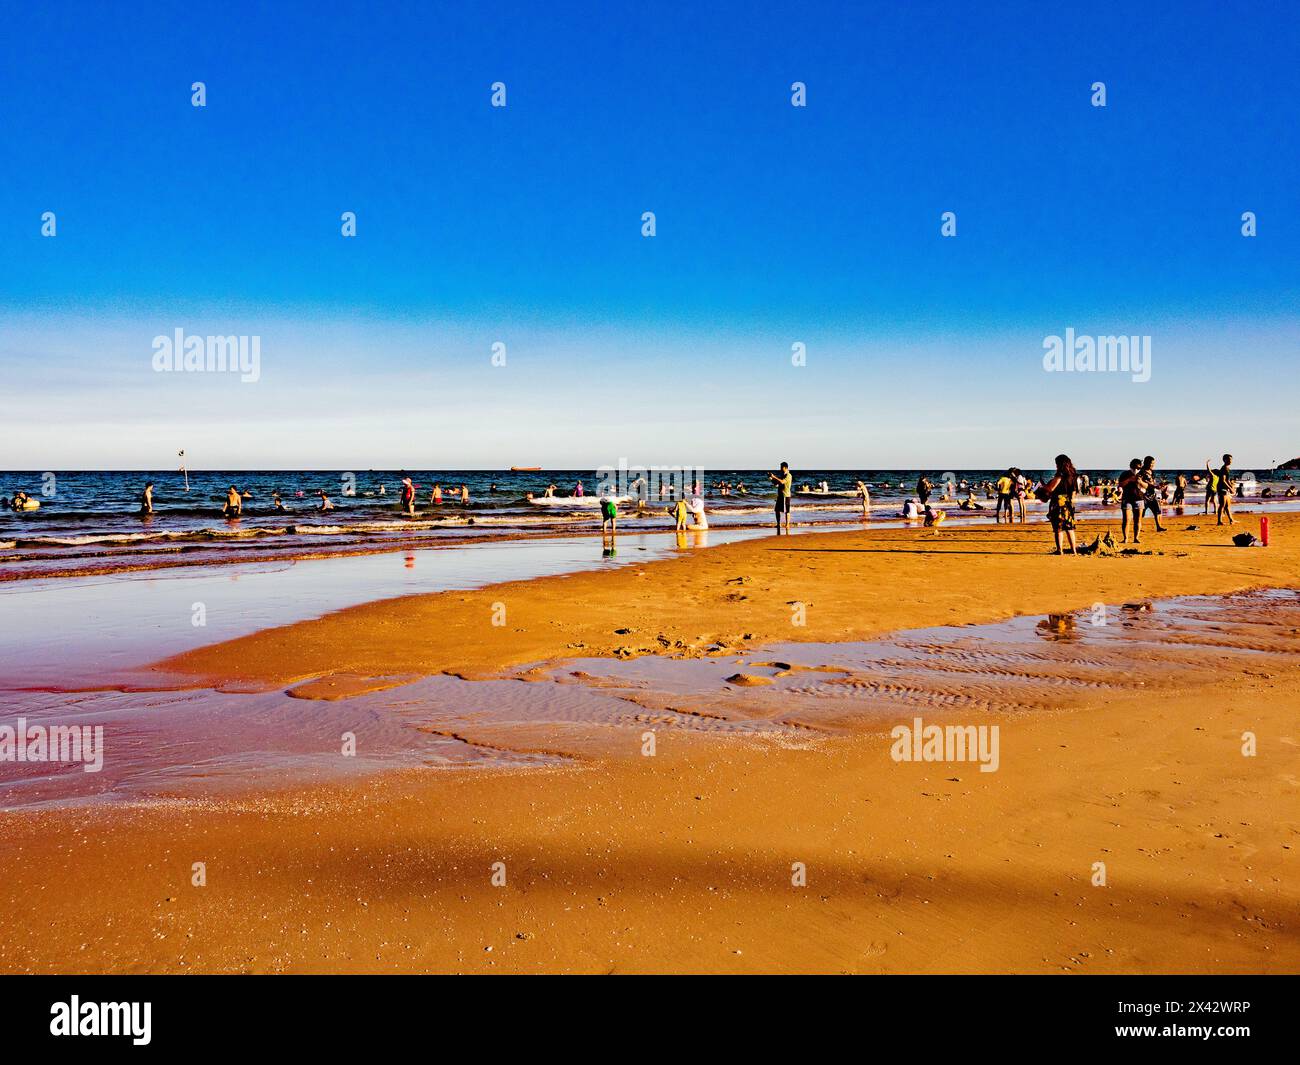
[618, 862]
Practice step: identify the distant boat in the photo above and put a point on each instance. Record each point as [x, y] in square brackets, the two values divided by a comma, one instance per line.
[524, 469]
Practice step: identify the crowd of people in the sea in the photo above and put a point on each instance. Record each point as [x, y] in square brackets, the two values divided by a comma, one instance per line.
[19, 502]
[1140, 492]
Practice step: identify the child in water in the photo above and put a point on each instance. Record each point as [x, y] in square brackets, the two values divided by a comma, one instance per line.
[608, 516]
[679, 511]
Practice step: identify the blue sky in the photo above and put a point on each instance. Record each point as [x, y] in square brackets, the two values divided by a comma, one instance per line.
[775, 225]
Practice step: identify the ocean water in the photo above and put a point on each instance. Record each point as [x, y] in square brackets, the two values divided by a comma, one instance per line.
[89, 521]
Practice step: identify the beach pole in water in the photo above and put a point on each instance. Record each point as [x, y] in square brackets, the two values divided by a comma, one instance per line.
[181, 453]
[1263, 531]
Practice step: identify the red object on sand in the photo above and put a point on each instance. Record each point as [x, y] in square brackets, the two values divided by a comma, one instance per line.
[1263, 531]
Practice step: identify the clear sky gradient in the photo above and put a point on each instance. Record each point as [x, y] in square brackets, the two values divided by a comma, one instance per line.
[522, 225]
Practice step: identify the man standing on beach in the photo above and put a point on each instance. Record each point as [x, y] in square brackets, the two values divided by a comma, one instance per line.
[1211, 486]
[1147, 484]
[1006, 484]
[1226, 487]
[1130, 501]
[784, 482]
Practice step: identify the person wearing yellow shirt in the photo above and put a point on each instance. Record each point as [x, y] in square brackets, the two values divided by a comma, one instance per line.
[1006, 484]
[784, 482]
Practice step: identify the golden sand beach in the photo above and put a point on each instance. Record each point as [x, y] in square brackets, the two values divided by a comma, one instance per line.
[805, 851]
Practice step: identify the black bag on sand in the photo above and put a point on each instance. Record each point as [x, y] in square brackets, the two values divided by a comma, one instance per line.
[1244, 539]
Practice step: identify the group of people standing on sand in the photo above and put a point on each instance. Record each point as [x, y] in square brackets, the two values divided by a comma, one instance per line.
[1139, 491]
[1138, 496]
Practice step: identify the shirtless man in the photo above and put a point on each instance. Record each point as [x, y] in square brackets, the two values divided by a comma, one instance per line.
[784, 482]
[234, 503]
[1225, 489]
[1147, 485]
[1130, 501]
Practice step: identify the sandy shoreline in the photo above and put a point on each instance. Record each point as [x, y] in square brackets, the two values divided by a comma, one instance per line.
[851, 586]
[683, 861]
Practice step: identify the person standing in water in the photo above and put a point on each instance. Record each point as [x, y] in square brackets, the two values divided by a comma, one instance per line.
[146, 499]
[234, 503]
[608, 518]
[923, 488]
[325, 503]
[865, 493]
[678, 512]
[1019, 488]
[408, 495]
[698, 518]
[784, 482]
[1058, 494]
[1006, 484]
